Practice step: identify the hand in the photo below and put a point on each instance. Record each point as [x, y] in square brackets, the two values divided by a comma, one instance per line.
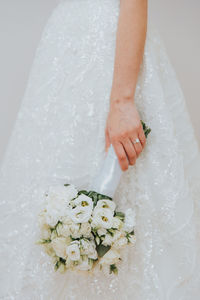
[123, 127]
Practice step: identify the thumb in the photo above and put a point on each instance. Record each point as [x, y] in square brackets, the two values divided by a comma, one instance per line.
[107, 141]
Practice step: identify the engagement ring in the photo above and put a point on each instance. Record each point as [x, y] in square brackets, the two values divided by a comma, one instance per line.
[136, 141]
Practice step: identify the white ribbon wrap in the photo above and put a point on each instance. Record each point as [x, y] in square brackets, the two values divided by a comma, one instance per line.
[109, 175]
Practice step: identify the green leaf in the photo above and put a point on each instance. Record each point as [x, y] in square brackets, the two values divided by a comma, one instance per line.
[132, 232]
[102, 250]
[111, 231]
[113, 269]
[83, 192]
[57, 265]
[146, 129]
[43, 241]
[66, 184]
[62, 260]
[120, 215]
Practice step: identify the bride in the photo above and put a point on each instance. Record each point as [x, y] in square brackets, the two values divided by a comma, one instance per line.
[98, 70]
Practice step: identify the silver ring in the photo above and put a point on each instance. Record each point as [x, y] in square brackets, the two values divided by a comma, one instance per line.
[136, 141]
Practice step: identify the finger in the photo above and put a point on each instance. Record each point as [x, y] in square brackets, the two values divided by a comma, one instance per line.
[121, 154]
[142, 138]
[107, 140]
[130, 151]
[137, 146]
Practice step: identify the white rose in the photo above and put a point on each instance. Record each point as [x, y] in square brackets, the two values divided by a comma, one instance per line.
[105, 203]
[129, 221]
[88, 248]
[66, 220]
[52, 220]
[83, 201]
[111, 239]
[101, 231]
[59, 246]
[93, 255]
[57, 202]
[85, 246]
[80, 214]
[108, 240]
[111, 257]
[102, 218]
[75, 230]
[117, 235]
[63, 230]
[117, 223]
[121, 242]
[73, 251]
[85, 229]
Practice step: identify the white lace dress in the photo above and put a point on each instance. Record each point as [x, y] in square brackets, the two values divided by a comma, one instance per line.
[59, 133]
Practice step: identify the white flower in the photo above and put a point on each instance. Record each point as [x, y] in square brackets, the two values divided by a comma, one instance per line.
[73, 251]
[93, 255]
[102, 218]
[117, 235]
[129, 221]
[107, 240]
[117, 223]
[121, 242]
[85, 229]
[105, 203]
[101, 231]
[49, 250]
[111, 257]
[62, 193]
[52, 220]
[63, 230]
[46, 233]
[54, 234]
[80, 214]
[69, 263]
[70, 192]
[66, 220]
[83, 201]
[88, 248]
[59, 246]
[85, 265]
[132, 239]
[75, 230]
[97, 239]
[57, 201]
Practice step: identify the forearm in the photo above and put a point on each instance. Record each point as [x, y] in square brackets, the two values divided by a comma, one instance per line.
[130, 41]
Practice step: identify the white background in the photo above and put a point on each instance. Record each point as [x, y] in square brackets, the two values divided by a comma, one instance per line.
[21, 25]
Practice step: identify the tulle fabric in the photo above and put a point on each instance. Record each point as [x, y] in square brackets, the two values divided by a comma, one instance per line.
[59, 136]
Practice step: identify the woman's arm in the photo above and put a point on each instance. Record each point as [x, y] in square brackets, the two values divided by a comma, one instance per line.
[123, 123]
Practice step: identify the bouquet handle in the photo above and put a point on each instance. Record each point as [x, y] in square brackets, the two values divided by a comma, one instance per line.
[108, 177]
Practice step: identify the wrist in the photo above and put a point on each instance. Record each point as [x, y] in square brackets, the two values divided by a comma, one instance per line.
[123, 95]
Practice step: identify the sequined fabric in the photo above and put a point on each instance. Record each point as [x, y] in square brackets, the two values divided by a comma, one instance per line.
[59, 136]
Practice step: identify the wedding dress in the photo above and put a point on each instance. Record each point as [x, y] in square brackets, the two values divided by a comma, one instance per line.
[59, 135]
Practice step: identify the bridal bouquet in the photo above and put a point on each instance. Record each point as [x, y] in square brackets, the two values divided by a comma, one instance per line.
[83, 229]
[80, 229]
